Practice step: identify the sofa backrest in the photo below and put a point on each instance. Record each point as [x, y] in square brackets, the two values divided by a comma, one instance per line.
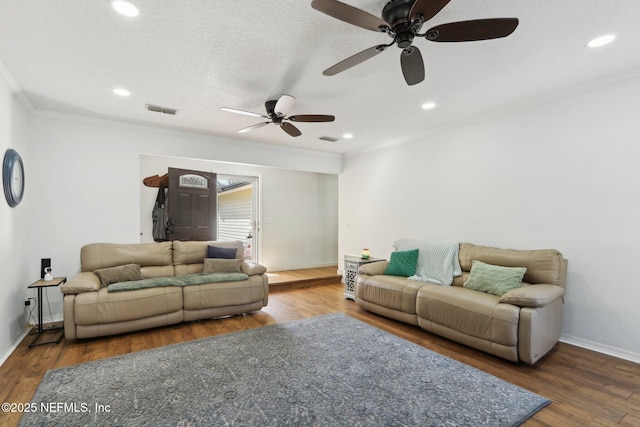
[543, 265]
[188, 257]
[155, 259]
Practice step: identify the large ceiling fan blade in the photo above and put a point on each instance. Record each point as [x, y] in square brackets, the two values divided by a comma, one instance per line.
[467, 31]
[312, 118]
[349, 14]
[427, 8]
[354, 60]
[412, 65]
[246, 113]
[284, 105]
[250, 128]
[290, 129]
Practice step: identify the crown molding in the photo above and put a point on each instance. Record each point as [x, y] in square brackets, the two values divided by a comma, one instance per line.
[333, 158]
[14, 88]
[527, 104]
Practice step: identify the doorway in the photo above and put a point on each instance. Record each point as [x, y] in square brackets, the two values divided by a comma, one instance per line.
[238, 212]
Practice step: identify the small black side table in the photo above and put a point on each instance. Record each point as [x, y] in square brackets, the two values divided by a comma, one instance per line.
[57, 281]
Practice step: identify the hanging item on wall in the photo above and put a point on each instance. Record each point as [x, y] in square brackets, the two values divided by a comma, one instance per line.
[13, 177]
[160, 215]
[156, 180]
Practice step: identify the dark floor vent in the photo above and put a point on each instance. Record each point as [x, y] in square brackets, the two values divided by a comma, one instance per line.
[158, 109]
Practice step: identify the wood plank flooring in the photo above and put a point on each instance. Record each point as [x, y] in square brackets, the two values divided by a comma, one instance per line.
[296, 279]
[587, 388]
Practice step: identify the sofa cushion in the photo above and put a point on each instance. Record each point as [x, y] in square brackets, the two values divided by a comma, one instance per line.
[402, 263]
[121, 273]
[210, 295]
[543, 265]
[252, 269]
[218, 252]
[86, 281]
[469, 312]
[394, 292]
[104, 307]
[221, 265]
[102, 255]
[373, 268]
[194, 252]
[494, 279]
[533, 295]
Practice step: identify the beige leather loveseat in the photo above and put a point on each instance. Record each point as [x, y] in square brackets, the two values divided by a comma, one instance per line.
[523, 324]
[91, 310]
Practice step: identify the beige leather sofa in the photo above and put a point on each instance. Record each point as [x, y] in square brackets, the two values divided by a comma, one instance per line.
[521, 325]
[91, 310]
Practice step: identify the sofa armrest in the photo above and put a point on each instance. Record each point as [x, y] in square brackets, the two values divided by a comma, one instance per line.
[252, 269]
[373, 268]
[533, 295]
[87, 281]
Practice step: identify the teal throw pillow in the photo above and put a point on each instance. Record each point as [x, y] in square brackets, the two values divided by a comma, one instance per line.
[494, 279]
[402, 263]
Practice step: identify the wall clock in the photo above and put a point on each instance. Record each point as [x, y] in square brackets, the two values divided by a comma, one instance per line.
[13, 177]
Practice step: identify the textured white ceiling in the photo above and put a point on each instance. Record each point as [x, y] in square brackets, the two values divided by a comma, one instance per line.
[199, 55]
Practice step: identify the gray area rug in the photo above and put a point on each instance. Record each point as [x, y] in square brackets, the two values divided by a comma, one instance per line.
[330, 370]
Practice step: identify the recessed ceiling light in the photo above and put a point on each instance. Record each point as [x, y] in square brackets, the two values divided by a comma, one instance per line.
[121, 92]
[347, 136]
[601, 41]
[428, 105]
[125, 8]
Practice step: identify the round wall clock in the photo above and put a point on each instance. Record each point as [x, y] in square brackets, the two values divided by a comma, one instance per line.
[13, 177]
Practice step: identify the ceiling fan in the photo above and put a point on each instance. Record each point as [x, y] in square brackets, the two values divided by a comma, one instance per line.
[277, 114]
[402, 21]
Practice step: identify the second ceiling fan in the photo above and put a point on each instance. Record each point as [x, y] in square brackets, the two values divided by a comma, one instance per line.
[277, 111]
[402, 21]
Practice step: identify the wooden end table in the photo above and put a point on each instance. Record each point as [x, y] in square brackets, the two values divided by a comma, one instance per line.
[39, 285]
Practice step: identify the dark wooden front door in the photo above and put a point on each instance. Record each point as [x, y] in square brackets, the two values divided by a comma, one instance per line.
[192, 205]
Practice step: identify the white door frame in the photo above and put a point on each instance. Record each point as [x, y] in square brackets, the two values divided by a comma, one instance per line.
[256, 205]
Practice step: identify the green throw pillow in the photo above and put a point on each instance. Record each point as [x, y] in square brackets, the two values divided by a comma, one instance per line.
[494, 279]
[402, 263]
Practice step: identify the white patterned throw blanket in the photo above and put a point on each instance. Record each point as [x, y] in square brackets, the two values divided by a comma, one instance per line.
[437, 260]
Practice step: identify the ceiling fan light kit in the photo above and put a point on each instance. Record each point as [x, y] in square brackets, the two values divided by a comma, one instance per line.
[402, 20]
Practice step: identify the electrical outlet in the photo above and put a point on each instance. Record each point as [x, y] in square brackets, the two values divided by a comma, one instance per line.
[27, 301]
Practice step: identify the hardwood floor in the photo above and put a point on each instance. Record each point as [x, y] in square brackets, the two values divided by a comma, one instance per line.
[586, 388]
[296, 279]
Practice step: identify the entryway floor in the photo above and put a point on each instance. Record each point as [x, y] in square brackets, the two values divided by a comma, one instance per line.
[302, 278]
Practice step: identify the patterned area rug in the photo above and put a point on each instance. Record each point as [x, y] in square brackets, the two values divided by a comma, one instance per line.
[330, 370]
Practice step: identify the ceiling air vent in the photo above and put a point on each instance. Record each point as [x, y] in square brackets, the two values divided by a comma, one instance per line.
[158, 109]
[328, 138]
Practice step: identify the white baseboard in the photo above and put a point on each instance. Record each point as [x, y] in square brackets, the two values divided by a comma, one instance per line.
[22, 335]
[14, 344]
[601, 348]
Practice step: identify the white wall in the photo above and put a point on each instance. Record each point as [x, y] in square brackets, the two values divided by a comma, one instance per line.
[83, 185]
[17, 272]
[302, 208]
[562, 175]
